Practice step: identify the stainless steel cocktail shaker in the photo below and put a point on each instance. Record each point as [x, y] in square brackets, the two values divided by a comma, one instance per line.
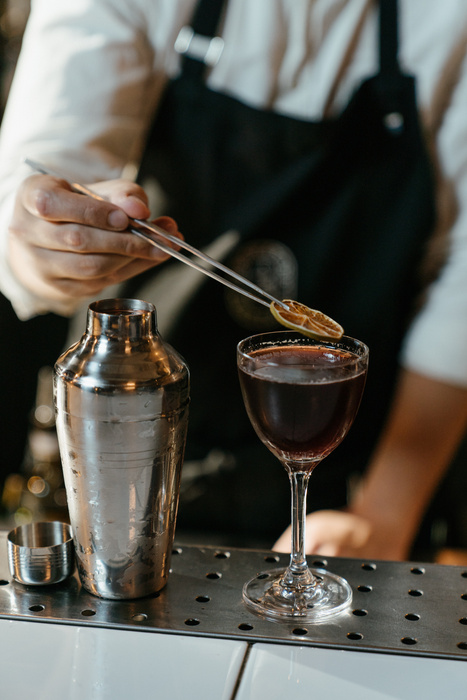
[121, 400]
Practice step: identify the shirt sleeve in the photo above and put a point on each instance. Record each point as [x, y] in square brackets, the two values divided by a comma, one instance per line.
[436, 342]
[84, 114]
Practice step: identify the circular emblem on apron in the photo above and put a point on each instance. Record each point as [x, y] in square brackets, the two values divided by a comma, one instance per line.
[272, 266]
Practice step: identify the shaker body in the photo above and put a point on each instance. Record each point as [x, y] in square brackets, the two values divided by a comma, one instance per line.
[121, 397]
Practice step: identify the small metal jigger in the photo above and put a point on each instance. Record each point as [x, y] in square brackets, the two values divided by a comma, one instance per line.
[41, 553]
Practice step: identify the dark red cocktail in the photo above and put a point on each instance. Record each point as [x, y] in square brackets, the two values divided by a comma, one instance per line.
[301, 396]
[299, 408]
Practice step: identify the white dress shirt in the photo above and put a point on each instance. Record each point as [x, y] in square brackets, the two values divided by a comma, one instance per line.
[91, 73]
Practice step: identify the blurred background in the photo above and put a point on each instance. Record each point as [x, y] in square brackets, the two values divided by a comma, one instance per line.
[13, 18]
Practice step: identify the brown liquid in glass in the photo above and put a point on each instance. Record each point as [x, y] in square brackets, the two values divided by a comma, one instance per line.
[299, 408]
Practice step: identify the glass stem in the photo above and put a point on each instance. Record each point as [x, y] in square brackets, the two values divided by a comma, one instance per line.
[298, 572]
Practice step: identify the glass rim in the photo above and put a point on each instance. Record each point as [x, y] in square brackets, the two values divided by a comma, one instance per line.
[361, 350]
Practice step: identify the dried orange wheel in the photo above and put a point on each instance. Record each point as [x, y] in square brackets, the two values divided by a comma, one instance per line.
[308, 321]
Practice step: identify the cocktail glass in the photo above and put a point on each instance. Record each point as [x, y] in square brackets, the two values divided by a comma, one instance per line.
[301, 396]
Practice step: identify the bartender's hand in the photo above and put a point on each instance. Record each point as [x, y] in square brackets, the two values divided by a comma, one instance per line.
[341, 533]
[334, 533]
[64, 245]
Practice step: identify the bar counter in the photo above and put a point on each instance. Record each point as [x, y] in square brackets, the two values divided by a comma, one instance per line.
[404, 636]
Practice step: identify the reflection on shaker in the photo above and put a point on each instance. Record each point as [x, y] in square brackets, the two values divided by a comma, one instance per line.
[121, 399]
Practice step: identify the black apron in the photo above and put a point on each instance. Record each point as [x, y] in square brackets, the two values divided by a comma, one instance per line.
[349, 201]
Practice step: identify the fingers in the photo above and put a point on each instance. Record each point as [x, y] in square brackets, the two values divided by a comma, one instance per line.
[79, 239]
[63, 243]
[284, 542]
[331, 533]
[49, 215]
[126, 195]
[51, 199]
[56, 277]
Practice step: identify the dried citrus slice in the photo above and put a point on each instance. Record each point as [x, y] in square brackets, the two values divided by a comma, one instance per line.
[308, 321]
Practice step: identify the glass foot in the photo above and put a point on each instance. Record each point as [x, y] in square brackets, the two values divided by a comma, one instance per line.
[325, 596]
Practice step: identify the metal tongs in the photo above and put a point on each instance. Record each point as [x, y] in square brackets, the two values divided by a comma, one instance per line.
[141, 228]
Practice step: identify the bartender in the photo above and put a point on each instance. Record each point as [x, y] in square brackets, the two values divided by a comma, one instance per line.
[292, 141]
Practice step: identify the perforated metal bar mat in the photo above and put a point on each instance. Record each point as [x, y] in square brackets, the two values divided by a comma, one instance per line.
[400, 608]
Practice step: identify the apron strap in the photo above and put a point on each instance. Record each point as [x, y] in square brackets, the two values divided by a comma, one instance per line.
[200, 47]
[389, 69]
[197, 42]
[207, 17]
[388, 38]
